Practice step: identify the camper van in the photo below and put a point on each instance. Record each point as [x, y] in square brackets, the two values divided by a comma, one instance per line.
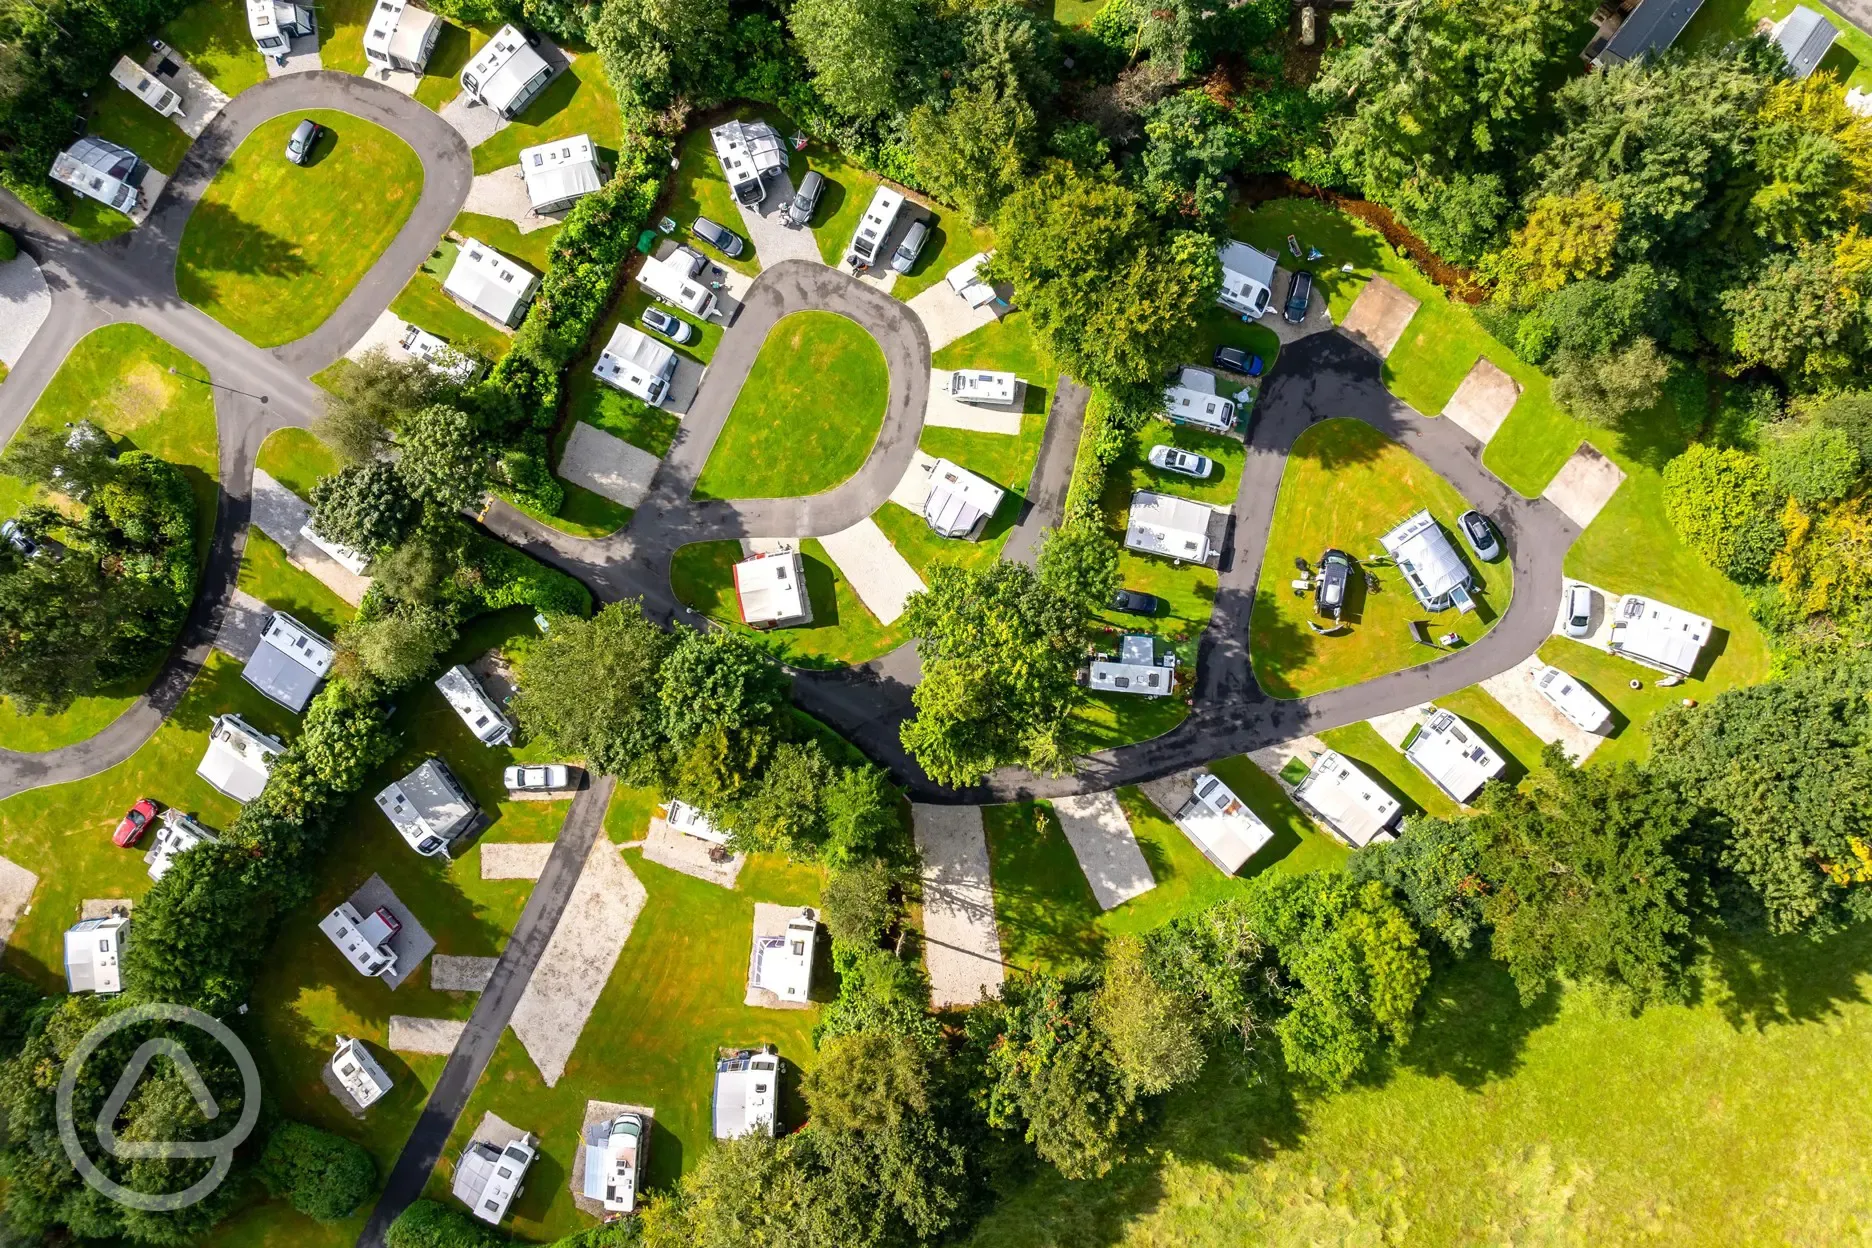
[676, 280]
[867, 244]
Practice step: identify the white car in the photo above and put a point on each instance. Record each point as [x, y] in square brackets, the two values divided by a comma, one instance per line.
[540, 777]
[1172, 459]
[1579, 611]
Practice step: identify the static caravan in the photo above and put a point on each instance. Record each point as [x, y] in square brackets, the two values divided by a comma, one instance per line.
[275, 24]
[771, 591]
[675, 280]
[101, 170]
[1247, 279]
[1221, 825]
[959, 503]
[1573, 700]
[1656, 635]
[560, 173]
[1449, 752]
[1350, 802]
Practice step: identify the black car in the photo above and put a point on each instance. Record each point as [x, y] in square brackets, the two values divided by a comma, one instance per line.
[305, 137]
[800, 211]
[1236, 360]
[720, 237]
[1335, 574]
[1131, 602]
[1299, 295]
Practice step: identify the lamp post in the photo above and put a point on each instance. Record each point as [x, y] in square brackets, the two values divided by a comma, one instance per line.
[217, 385]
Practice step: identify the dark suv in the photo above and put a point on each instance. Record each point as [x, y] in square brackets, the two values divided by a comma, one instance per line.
[1335, 574]
[800, 211]
[1299, 295]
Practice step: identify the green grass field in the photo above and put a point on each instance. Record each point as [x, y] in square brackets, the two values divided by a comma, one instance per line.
[91, 220]
[212, 36]
[808, 414]
[422, 303]
[842, 631]
[267, 575]
[296, 459]
[122, 118]
[578, 101]
[273, 248]
[1346, 484]
[674, 997]
[117, 378]
[532, 250]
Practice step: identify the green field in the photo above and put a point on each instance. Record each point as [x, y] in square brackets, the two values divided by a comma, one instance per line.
[842, 631]
[266, 574]
[1346, 484]
[807, 415]
[212, 36]
[274, 248]
[122, 118]
[118, 378]
[296, 459]
[578, 101]
[532, 249]
[1720, 21]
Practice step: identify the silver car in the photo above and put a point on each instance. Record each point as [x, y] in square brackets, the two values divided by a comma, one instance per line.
[537, 778]
[911, 247]
[1175, 459]
[1579, 611]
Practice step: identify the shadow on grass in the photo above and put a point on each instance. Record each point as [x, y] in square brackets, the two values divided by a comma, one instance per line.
[1276, 646]
[555, 99]
[1759, 981]
[1043, 905]
[227, 243]
[1341, 442]
[1474, 1027]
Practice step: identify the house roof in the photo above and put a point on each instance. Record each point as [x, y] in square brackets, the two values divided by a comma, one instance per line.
[1423, 553]
[427, 802]
[1657, 634]
[93, 952]
[289, 662]
[484, 279]
[561, 170]
[504, 68]
[771, 589]
[747, 1092]
[101, 170]
[487, 1178]
[958, 500]
[1177, 528]
[1804, 38]
[1221, 825]
[471, 702]
[1453, 756]
[1348, 799]
[1652, 27]
[636, 363]
[239, 758]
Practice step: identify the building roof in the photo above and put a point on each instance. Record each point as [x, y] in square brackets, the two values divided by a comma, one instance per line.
[560, 171]
[1658, 635]
[959, 502]
[637, 364]
[101, 170]
[1193, 400]
[398, 30]
[973, 385]
[175, 835]
[470, 701]
[143, 84]
[1221, 825]
[359, 1073]
[1574, 700]
[487, 1178]
[782, 964]
[1430, 564]
[673, 279]
[747, 1094]
[1177, 528]
[1247, 277]
[1453, 756]
[428, 805]
[1804, 37]
[964, 279]
[1347, 799]
[879, 215]
[771, 589]
[485, 280]
[289, 662]
[750, 152]
[690, 821]
[1652, 27]
[1134, 669]
[93, 953]
[239, 757]
[504, 69]
[614, 1149]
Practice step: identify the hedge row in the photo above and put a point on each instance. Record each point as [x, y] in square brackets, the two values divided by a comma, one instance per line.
[1111, 424]
[513, 578]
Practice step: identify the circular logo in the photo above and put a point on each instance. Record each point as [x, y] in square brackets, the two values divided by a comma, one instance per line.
[222, 1150]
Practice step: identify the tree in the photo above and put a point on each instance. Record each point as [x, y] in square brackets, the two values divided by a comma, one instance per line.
[974, 151]
[1116, 301]
[367, 507]
[720, 681]
[1152, 1028]
[1803, 314]
[1079, 563]
[1565, 238]
[194, 931]
[322, 1175]
[1813, 156]
[786, 812]
[397, 647]
[654, 50]
[368, 400]
[441, 459]
[1824, 566]
[877, 993]
[1813, 462]
[870, 1081]
[1722, 502]
[56, 627]
[999, 651]
[1191, 146]
[345, 737]
[858, 51]
[1606, 389]
[863, 816]
[589, 688]
[1585, 880]
[859, 904]
[431, 1224]
[1434, 869]
[69, 459]
[1013, 49]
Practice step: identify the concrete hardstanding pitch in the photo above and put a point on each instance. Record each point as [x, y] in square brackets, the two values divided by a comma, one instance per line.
[411, 944]
[690, 855]
[451, 973]
[1483, 401]
[1397, 725]
[947, 317]
[882, 578]
[1584, 485]
[1100, 835]
[607, 465]
[962, 945]
[765, 227]
[25, 302]
[1378, 317]
[424, 1035]
[945, 411]
[16, 892]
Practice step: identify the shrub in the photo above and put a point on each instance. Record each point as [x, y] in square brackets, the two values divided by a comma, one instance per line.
[324, 1176]
[430, 1224]
[8, 248]
[512, 578]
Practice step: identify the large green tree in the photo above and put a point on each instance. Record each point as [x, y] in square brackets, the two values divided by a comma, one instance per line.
[590, 688]
[366, 506]
[655, 50]
[973, 150]
[861, 52]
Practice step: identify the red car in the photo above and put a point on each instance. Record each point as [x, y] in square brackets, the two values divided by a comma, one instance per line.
[130, 831]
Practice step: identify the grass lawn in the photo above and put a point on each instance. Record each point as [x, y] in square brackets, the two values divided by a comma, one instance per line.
[454, 46]
[1045, 910]
[504, 236]
[273, 248]
[423, 304]
[1720, 21]
[212, 36]
[266, 574]
[1346, 484]
[296, 459]
[842, 631]
[1220, 327]
[1114, 719]
[578, 101]
[1073, 13]
[1570, 1120]
[674, 997]
[951, 241]
[1361, 743]
[1610, 677]
[117, 378]
[808, 415]
[122, 118]
[848, 190]
[91, 220]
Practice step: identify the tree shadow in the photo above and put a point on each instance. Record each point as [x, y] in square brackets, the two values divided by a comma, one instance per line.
[1041, 897]
[1474, 1027]
[1759, 981]
[1341, 442]
[1277, 645]
[231, 244]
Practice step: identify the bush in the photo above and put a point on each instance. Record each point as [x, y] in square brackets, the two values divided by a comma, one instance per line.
[8, 248]
[512, 578]
[430, 1224]
[324, 1176]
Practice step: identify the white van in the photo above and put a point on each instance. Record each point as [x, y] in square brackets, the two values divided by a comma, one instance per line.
[879, 219]
[1573, 700]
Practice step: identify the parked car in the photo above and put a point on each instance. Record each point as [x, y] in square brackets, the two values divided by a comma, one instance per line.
[137, 818]
[911, 247]
[805, 200]
[305, 137]
[673, 328]
[1236, 360]
[1480, 535]
[1335, 574]
[1579, 611]
[720, 237]
[1175, 459]
[1131, 602]
[14, 536]
[1299, 295]
[538, 777]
